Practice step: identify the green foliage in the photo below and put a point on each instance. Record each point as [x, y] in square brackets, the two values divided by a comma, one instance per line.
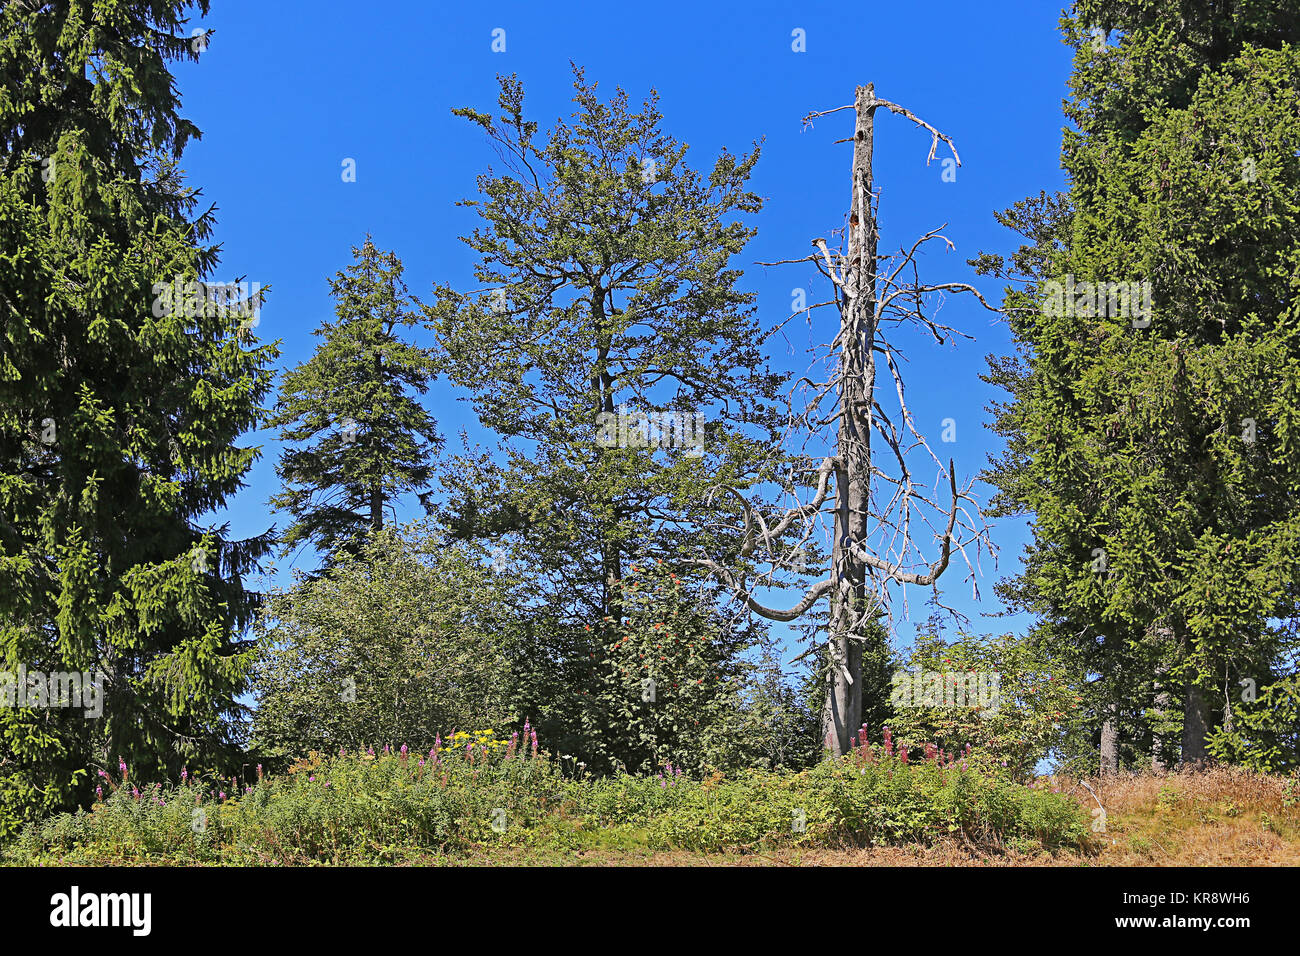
[407, 636]
[1040, 703]
[885, 802]
[1159, 460]
[783, 718]
[363, 439]
[678, 682]
[1265, 734]
[671, 681]
[411, 807]
[605, 288]
[121, 405]
[373, 808]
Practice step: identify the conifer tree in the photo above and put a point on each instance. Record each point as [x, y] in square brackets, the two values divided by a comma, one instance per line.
[1153, 438]
[362, 438]
[127, 376]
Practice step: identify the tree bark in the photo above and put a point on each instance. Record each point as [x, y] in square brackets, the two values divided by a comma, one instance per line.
[842, 710]
[377, 481]
[1227, 700]
[1196, 722]
[1110, 742]
[602, 384]
[1196, 708]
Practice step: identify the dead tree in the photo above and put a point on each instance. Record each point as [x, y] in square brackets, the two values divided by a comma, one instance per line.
[874, 513]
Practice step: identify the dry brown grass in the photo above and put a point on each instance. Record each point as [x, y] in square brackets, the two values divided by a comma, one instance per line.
[1218, 817]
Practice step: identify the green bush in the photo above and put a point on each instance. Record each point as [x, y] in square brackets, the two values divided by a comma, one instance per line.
[844, 803]
[1038, 711]
[479, 791]
[350, 808]
[409, 635]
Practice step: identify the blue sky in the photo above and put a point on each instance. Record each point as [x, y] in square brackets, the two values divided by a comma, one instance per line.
[286, 92]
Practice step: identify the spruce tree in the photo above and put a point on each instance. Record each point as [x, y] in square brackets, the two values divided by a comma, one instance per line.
[1156, 450]
[362, 438]
[127, 376]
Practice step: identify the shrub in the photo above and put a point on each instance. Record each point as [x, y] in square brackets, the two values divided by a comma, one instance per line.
[347, 808]
[1040, 708]
[476, 790]
[871, 798]
[406, 637]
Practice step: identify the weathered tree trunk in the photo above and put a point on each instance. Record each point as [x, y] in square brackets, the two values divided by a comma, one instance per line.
[1196, 724]
[1227, 700]
[602, 384]
[845, 478]
[1110, 742]
[377, 481]
[842, 711]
